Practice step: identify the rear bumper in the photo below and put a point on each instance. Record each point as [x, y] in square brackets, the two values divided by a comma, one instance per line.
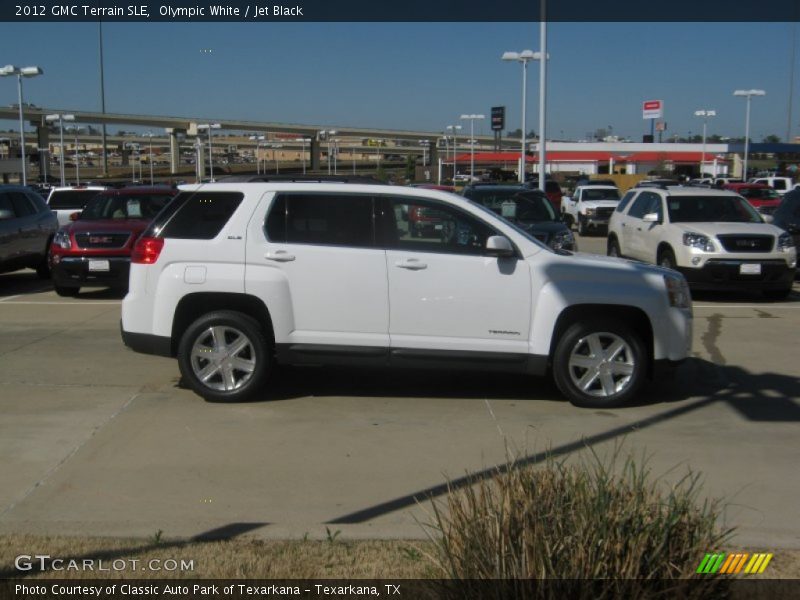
[146, 343]
[75, 271]
[725, 274]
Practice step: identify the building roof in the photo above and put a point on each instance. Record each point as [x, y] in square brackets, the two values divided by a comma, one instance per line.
[590, 156]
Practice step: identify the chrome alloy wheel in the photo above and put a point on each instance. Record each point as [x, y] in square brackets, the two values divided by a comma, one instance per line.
[223, 358]
[601, 364]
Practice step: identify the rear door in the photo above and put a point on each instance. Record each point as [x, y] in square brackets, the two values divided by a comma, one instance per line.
[315, 255]
[9, 231]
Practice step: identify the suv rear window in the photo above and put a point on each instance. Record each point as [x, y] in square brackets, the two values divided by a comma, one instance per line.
[195, 215]
[71, 199]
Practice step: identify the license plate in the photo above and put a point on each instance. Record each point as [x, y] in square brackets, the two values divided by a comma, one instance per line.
[103, 265]
[437, 227]
[750, 269]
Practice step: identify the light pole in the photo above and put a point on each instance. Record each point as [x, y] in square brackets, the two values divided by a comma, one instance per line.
[543, 56]
[454, 129]
[275, 156]
[209, 127]
[76, 130]
[706, 114]
[258, 139]
[524, 57]
[149, 135]
[424, 144]
[60, 118]
[304, 142]
[328, 135]
[7, 71]
[335, 156]
[133, 148]
[748, 94]
[472, 118]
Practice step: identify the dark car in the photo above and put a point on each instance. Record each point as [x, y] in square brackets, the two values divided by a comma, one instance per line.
[26, 227]
[528, 209]
[94, 249]
[787, 216]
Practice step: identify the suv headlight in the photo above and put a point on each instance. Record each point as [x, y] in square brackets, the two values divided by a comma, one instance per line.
[61, 239]
[590, 212]
[678, 291]
[785, 242]
[562, 239]
[696, 240]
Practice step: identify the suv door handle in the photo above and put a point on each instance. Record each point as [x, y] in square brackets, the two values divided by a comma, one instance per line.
[279, 256]
[412, 264]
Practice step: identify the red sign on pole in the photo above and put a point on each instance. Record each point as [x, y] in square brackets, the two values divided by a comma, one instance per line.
[652, 109]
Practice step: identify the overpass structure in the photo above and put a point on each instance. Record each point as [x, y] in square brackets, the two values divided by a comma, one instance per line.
[178, 128]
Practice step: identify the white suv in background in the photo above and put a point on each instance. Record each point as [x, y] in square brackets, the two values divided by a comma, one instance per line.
[714, 237]
[234, 278]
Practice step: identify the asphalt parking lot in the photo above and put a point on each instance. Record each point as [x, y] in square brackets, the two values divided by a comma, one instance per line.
[98, 440]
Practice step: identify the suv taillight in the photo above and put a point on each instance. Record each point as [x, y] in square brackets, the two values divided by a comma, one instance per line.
[146, 250]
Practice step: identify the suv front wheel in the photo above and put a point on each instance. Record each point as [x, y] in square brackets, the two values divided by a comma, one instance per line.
[600, 363]
[224, 356]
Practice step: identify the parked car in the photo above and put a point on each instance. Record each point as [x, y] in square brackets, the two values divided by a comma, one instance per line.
[779, 184]
[26, 227]
[529, 209]
[66, 201]
[94, 250]
[551, 188]
[787, 216]
[590, 207]
[234, 279]
[713, 237]
[762, 197]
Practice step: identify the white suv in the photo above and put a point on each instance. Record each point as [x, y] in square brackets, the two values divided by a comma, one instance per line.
[234, 278]
[714, 237]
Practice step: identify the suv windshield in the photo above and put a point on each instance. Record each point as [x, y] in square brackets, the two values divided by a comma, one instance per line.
[127, 206]
[512, 204]
[600, 194]
[712, 209]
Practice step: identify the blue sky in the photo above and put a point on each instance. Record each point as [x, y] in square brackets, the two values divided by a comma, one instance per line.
[418, 76]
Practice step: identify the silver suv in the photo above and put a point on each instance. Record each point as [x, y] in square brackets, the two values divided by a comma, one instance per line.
[714, 237]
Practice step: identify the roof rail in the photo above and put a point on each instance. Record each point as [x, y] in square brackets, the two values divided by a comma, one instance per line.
[300, 179]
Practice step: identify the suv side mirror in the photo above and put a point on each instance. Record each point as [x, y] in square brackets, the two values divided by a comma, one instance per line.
[768, 218]
[6, 214]
[499, 246]
[651, 218]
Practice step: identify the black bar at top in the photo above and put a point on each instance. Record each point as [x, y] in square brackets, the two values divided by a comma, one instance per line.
[403, 11]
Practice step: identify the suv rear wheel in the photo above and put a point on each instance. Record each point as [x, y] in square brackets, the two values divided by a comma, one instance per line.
[224, 356]
[600, 363]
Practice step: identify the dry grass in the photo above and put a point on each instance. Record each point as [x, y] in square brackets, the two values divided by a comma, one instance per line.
[297, 559]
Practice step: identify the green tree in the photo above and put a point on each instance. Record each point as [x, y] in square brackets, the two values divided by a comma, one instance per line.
[771, 139]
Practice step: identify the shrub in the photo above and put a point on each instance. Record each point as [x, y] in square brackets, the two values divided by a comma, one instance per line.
[592, 530]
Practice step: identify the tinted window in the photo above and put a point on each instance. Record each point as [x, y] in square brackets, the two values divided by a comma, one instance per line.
[646, 203]
[196, 215]
[625, 201]
[713, 209]
[424, 226]
[71, 199]
[125, 206]
[599, 194]
[5, 203]
[23, 207]
[322, 219]
[531, 206]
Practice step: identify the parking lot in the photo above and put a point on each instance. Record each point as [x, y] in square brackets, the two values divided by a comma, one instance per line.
[99, 440]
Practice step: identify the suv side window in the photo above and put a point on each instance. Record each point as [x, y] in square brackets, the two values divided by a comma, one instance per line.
[196, 215]
[5, 202]
[22, 204]
[624, 202]
[322, 219]
[427, 226]
[646, 202]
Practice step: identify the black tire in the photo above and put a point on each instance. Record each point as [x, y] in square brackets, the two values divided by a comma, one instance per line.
[616, 385]
[234, 327]
[568, 220]
[612, 249]
[67, 291]
[666, 259]
[582, 228]
[43, 268]
[777, 295]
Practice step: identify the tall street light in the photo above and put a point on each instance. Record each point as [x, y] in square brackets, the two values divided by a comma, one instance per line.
[275, 156]
[76, 130]
[149, 155]
[60, 118]
[258, 139]
[209, 127]
[424, 144]
[705, 114]
[748, 94]
[454, 129]
[327, 134]
[472, 118]
[524, 57]
[7, 71]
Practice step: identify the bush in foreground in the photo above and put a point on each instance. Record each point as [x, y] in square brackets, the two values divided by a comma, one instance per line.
[591, 530]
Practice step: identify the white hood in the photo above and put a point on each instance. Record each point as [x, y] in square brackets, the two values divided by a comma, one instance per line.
[713, 229]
